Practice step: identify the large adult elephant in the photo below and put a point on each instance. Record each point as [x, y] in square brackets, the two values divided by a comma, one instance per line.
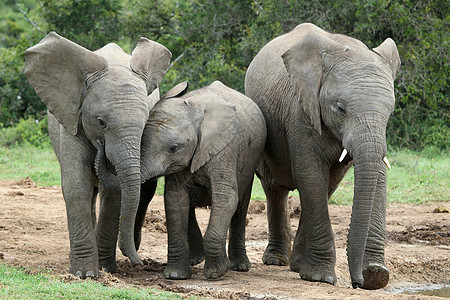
[97, 97]
[324, 94]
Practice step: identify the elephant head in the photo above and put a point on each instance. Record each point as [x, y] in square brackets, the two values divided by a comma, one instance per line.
[186, 132]
[348, 90]
[102, 97]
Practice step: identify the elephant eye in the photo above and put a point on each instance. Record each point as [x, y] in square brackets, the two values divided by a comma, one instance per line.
[101, 122]
[341, 108]
[173, 148]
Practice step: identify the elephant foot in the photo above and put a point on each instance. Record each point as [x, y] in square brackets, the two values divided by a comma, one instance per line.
[275, 256]
[322, 271]
[216, 267]
[317, 273]
[376, 276]
[240, 263]
[177, 272]
[108, 265]
[84, 268]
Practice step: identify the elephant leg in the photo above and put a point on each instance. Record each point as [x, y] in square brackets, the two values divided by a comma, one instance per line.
[236, 245]
[224, 195]
[107, 229]
[78, 191]
[176, 204]
[195, 239]
[148, 189]
[313, 254]
[375, 272]
[278, 249]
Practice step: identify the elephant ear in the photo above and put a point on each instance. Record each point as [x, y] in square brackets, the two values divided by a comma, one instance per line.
[388, 51]
[57, 69]
[177, 91]
[304, 63]
[150, 60]
[217, 129]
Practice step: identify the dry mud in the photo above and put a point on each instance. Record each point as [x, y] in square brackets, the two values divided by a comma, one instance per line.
[33, 234]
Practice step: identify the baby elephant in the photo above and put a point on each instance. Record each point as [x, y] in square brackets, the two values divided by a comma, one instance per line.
[207, 143]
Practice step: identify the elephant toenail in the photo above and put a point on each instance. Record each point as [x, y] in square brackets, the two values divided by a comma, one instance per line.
[79, 274]
[174, 275]
[90, 274]
[242, 267]
[316, 277]
[329, 279]
[214, 275]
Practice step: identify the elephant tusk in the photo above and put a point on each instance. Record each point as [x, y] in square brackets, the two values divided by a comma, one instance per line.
[344, 153]
[386, 162]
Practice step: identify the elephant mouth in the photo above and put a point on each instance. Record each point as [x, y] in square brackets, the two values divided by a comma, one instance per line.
[346, 158]
[105, 169]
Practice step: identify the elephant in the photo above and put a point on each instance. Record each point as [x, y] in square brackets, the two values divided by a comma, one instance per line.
[323, 94]
[97, 97]
[207, 143]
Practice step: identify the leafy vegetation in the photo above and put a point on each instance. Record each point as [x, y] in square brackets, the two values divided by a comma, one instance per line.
[213, 39]
[26, 131]
[19, 283]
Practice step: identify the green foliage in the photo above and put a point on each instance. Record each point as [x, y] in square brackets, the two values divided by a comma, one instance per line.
[26, 131]
[14, 21]
[17, 98]
[216, 40]
[90, 23]
[19, 283]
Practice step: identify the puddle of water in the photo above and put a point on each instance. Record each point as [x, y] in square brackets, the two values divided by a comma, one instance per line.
[440, 290]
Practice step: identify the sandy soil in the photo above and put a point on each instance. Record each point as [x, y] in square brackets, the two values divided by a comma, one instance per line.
[33, 233]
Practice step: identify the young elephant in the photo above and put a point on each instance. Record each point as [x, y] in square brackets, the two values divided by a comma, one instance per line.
[207, 143]
[105, 97]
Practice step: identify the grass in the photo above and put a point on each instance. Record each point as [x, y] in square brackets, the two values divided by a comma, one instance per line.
[415, 177]
[40, 164]
[19, 283]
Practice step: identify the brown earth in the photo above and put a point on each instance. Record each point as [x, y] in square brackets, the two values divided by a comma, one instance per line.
[33, 233]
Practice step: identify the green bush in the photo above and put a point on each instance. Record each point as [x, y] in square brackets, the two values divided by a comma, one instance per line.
[26, 131]
[216, 40]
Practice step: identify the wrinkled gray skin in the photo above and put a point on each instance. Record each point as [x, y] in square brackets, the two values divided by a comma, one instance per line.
[208, 144]
[320, 93]
[94, 98]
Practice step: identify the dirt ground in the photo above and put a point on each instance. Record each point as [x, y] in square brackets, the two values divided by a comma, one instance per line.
[33, 233]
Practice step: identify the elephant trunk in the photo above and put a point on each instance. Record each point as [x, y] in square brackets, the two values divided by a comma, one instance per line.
[151, 167]
[127, 164]
[368, 149]
[146, 166]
